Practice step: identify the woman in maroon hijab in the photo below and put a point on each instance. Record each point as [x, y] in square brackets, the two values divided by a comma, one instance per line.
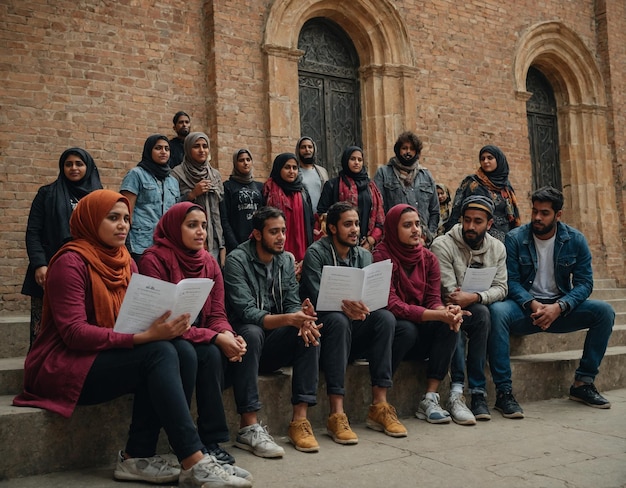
[178, 252]
[415, 297]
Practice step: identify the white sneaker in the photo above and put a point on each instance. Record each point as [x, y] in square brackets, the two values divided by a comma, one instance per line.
[459, 411]
[152, 469]
[430, 410]
[208, 473]
[256, 439]
[238, 472]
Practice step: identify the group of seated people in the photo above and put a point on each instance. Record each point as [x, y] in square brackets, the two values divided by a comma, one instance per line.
[261, 313]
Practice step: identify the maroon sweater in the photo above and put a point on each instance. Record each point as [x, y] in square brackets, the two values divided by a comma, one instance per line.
[63, 352]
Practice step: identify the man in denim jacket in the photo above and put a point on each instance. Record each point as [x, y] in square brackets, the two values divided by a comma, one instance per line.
[550, 279]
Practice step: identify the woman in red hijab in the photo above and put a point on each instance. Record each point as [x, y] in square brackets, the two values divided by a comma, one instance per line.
[415, 299]
[78, 359]
[285, 191]
[178, 253]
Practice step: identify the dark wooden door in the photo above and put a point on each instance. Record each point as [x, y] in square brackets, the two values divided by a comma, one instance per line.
[329, 97]
[543, 131]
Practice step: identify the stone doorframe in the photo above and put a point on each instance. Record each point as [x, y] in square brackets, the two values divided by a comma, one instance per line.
[387, 70]
[587, 171]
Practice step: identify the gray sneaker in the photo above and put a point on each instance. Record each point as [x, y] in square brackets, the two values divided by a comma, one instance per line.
[208, 473]
[152, 469]
[256, 439]
[430, 410]
[238, 472]
[459, 411]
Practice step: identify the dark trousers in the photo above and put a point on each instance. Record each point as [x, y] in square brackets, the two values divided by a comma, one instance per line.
[267, 352]
[427, 340]
[344, 339]
[161, 375]
[476, 329]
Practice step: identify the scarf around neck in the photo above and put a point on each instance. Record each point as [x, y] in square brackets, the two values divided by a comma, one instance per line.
[109, 267]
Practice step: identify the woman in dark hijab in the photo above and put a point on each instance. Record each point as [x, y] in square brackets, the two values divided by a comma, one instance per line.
[242, 197]
[285, 191]
[151, 191]
[354, 185]
[48, 225]
[490, 180]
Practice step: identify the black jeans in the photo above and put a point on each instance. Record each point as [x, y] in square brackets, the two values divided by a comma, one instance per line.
[267, 352]
[427, 340]
[344, 339]
[161, 375]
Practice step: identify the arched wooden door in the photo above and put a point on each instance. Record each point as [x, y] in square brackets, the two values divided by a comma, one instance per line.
[543, 131]
[330, 109]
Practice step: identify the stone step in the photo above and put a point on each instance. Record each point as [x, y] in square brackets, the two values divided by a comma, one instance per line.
[35, 441]
[608, 293]
[618, 304]
[15, 333]
[11, 375]
[604, 283]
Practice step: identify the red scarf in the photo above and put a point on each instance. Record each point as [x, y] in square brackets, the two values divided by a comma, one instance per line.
[351, 194]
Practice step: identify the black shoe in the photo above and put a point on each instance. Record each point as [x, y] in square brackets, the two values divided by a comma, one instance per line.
[507, 404]
[222, 455]
[479, 407]
[588, 395]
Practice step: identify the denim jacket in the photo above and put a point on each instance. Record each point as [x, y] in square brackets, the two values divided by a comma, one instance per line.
[572, 261]
[421, 195]
[154, 198]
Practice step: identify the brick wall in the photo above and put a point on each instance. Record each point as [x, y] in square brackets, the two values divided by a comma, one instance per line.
[105, 74]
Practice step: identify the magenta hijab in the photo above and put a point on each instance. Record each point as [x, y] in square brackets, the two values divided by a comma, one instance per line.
[169, 248]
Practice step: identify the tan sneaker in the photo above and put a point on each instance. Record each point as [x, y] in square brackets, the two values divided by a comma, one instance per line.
[301, 436]
[339, 429]
[383, 417]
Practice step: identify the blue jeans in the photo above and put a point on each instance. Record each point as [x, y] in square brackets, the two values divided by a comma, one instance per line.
[508, 318]
[161, 374]
[475, 329]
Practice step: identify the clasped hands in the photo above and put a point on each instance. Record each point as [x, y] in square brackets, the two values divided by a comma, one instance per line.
[304, 320]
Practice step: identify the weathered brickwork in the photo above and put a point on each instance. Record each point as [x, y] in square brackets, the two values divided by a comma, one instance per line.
[104, 75]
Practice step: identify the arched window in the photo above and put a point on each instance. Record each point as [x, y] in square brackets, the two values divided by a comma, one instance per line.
[329, 98]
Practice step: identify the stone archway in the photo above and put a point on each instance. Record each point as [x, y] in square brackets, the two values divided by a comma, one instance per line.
[386, 75]
[587, 173]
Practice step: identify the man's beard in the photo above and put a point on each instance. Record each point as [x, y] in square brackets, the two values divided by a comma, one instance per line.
[545, 230]
[308, 160]
[270, 249]
[474, 242]
[183, 132]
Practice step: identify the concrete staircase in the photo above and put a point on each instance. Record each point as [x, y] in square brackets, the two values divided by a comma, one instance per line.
[35, 441]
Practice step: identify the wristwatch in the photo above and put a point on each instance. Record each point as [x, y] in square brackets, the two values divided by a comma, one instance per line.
[562, 306]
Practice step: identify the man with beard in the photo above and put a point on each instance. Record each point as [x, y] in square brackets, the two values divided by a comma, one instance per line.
[355, 332]
[468, 245]
[313, 175]
[550, 279]
[264, 308]
[182, 127]
[404, 180]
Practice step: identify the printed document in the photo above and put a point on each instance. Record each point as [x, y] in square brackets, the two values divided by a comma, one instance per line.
[148, 298]
[478, 279]
[369, 285]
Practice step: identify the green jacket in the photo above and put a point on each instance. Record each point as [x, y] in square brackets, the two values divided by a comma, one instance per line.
[320, 254]
[248, 299]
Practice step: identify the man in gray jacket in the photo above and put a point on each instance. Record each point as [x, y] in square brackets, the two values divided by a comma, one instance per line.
[264, 308]
[404, 180]
[468, 245]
